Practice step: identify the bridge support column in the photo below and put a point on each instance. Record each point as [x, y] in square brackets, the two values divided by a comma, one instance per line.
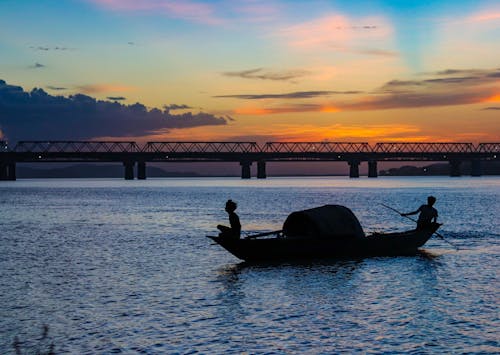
[475, 167]
[372, 169]
[141, 170]
[261, 169]
[353, 168]
[455, 168]
[3, 171]
[11, 171]
[7, 171]
[129, 170]
[245, 169]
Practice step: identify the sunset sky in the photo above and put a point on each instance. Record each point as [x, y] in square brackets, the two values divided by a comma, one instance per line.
[250, 70]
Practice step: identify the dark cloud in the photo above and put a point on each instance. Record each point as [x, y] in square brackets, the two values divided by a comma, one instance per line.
[36, 66]
[262, 74]
[453, 72]
[441, 88]
[37, 115]
[466, 72]
[455, 80]
[290, 95]
[116, 98]
[491, 108]
[176, 107]
[417, 99]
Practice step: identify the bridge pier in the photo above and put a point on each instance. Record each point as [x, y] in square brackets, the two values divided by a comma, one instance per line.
[353, 168]
[141, 170]
[7, 171]
[261, 169]
[129, 170]
[455, 168]
[245, 169]
[372, 169]
[3, 171]
[475, 167]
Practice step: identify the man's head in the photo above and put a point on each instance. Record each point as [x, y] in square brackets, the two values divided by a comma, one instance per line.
[431, 200]
[230, 206]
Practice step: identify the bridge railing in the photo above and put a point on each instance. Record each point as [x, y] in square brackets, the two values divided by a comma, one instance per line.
[316, 147]
[488, 148]
[4, 147]
[201, 147]
[76, 147]
[424, 148]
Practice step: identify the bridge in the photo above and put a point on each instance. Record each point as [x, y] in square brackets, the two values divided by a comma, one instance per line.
[131, 154]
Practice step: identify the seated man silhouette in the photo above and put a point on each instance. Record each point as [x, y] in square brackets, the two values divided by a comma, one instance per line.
[428, 214]
[234, 231]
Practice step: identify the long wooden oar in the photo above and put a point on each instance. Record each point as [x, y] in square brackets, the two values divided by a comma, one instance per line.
[412, 219]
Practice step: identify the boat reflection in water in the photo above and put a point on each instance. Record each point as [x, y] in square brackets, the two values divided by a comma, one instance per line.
[330, 231]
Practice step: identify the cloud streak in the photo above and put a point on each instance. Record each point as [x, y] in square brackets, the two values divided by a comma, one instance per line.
[261, 74]
[56, 88]
[48, 48]
[290, 95]
[103, 88]
[37, 115]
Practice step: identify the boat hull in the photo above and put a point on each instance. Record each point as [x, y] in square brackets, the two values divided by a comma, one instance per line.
[405, 243]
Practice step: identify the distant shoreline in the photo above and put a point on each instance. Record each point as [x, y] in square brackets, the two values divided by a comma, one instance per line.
[83, 171]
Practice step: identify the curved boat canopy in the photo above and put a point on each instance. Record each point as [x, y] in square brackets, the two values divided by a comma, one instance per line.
[325, 222]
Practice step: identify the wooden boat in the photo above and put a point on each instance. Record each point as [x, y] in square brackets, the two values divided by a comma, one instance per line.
[304, 237]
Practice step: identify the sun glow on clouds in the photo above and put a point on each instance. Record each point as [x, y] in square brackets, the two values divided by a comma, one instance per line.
[494, 98]
[301, 132]
[348, 132]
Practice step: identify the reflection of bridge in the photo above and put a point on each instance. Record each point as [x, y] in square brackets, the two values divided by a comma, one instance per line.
[245, 153]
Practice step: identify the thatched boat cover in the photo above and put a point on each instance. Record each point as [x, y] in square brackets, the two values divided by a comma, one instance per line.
[325, 222]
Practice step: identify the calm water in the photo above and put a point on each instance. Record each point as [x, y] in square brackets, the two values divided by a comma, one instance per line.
[124, 266]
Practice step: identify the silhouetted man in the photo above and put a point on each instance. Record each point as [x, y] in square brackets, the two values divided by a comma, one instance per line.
[428, 214]
[235, 230]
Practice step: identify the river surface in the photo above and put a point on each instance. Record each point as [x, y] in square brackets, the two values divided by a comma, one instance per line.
[114, 266]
